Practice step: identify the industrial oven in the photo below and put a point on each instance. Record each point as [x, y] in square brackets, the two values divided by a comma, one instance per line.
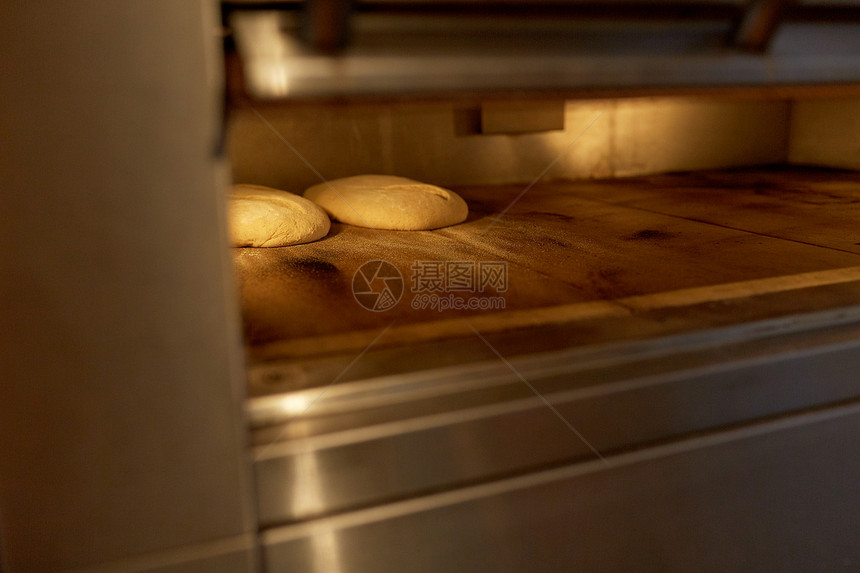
[640, 351]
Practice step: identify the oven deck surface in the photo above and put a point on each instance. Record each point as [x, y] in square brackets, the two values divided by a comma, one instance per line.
[574, 251]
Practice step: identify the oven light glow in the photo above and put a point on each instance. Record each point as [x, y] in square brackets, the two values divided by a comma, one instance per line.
[272, 77]
[294, 404]
[270, 52]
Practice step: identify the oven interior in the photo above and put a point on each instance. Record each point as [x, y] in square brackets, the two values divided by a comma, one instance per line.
[681, 253]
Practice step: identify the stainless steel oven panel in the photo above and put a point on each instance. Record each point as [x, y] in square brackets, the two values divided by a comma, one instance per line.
[430, 435]
[407, 54]
[761, 497]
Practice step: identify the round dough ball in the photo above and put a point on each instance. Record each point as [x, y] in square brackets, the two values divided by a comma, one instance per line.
[264, 217]
[388, 202]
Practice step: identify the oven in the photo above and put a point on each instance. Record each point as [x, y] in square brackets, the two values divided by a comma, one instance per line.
[640, 351]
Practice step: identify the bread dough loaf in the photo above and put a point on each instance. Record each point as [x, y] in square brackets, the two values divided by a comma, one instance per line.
[264, 217]
[388, 202]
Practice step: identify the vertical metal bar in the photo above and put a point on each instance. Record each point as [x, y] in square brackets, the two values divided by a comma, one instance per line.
[758, 24]
[325, 24]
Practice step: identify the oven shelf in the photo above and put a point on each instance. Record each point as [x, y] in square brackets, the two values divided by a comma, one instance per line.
[587, 262]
